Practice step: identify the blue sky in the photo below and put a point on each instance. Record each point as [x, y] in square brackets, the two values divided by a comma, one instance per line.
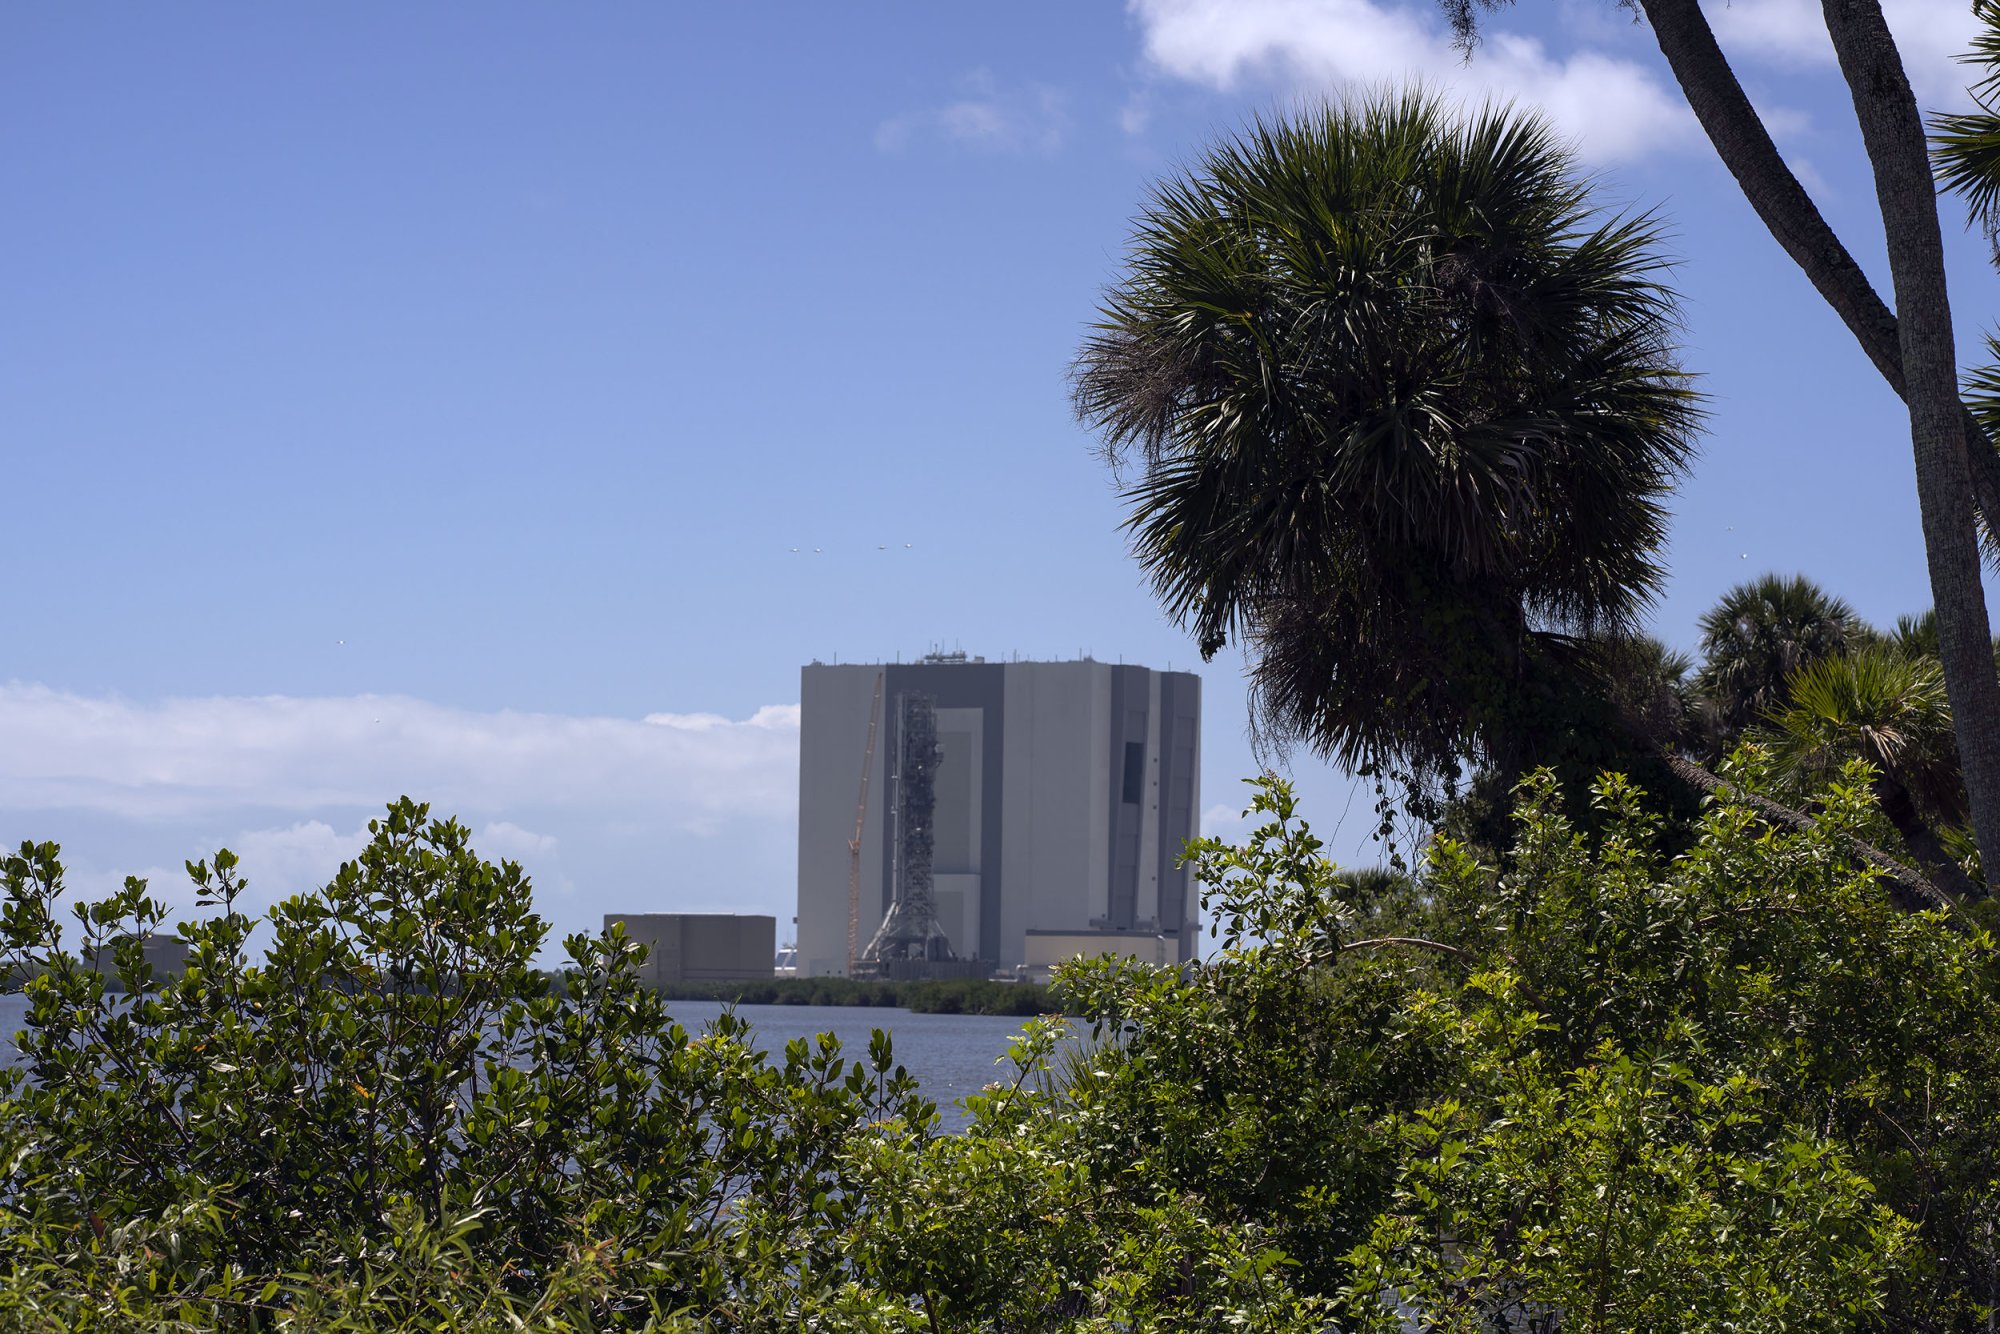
[500, 403]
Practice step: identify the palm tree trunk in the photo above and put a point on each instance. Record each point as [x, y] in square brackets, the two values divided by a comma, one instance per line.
[1926, 849]
[1909, 887]
[1746, 149]
[1892, 131]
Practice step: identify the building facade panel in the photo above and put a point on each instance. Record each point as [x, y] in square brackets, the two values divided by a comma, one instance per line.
[831, 751]
[1179, 714]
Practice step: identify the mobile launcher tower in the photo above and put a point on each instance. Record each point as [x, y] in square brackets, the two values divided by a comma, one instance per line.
[910, 939]
[963, 817]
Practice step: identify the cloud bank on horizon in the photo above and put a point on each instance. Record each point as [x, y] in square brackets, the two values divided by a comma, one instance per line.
[187, 757]
[289, 785]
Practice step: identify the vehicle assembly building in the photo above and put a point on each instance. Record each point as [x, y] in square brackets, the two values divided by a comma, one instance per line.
[959, 816]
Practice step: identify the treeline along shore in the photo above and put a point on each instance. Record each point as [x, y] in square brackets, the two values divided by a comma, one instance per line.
[948, 996]
[952, 996]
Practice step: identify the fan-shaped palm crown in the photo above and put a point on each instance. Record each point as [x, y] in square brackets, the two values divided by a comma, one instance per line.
[1758, 635]
[1403, 407]
[1876, 704]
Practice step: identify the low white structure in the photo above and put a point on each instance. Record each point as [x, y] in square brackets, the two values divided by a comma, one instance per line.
[1063, 794]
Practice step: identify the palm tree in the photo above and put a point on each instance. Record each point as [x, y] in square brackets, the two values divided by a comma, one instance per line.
[1957, 469]
[1754, 639]
[1965, 148]
[1399, 409]
[1957, 466]
[1916, 636]
[1888, 707]
[1650, 685]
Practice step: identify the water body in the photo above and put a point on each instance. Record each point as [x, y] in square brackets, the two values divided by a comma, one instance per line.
[951, 1055]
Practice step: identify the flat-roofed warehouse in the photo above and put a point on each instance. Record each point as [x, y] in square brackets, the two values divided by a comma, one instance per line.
[1061, 795]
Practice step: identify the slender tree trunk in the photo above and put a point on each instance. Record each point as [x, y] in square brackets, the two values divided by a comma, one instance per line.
[1925, 847]
[1892, 131]
[1746, 149]
[1909, 887]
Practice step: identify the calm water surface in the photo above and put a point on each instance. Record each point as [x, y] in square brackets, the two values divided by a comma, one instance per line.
[950, 1054]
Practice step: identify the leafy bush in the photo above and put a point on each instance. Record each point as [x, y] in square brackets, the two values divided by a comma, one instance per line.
[1727, 1089]
[395, 1073]
[1615, 1088]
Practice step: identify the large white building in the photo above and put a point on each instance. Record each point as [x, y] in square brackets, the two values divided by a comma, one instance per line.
[1063, 794]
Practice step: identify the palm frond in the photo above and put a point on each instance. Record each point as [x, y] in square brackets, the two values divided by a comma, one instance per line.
[1965, 147]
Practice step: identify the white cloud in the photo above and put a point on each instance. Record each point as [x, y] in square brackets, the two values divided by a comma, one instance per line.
[1229, 823]
[776, 717]
[280, 862]
[1930, 33]
[1785, 122]
[186, 757]
[1783, 31]
[274, 863]
[987, 116]
[1136, 114]
[1614, 108]
[507, 841]
[679, 811]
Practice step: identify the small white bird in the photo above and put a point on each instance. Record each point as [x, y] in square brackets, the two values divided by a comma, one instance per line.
[906, 546]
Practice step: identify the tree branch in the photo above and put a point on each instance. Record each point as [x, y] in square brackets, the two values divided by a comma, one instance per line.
[1892, 132]
[1910, 889]
[1794, 221]
[1414, 942]
[1439, 947]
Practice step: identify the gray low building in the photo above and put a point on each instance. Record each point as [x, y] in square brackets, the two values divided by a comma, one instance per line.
[1060, 800]
[701, 947]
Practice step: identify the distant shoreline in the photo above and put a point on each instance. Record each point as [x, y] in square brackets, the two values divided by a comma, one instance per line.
[956, 996]
[953, 996]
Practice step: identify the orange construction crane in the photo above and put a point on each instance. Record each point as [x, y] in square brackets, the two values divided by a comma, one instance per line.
[854, 844]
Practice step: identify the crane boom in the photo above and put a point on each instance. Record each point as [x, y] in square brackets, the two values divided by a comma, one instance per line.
[854, 844]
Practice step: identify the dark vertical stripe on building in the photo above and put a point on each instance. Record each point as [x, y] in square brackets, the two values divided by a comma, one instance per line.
[969, 685]
[1129, 709]
[1180, 720]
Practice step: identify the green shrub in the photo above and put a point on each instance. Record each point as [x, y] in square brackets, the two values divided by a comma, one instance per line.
[396, 1067]
[1724, 1089]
